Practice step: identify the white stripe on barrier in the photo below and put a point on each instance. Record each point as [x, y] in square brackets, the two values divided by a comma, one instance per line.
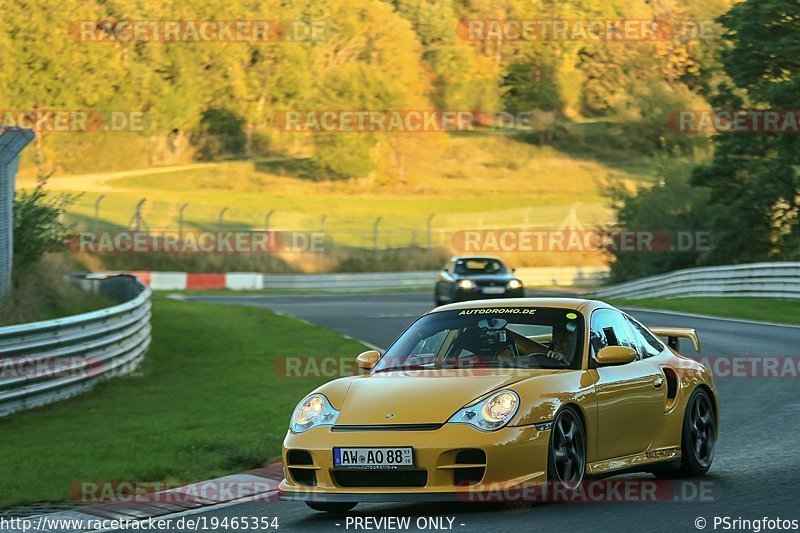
[244, 281]
[253, 281]
[168, 281]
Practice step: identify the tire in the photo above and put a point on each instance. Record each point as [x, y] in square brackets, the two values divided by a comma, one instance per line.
[698, 438]
[332, 507]
[699, 434]
[437, 300]
[566, 457]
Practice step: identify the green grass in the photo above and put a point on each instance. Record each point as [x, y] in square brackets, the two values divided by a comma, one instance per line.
[207, 402]
[69, 301]
[764, 309]
[40, 292]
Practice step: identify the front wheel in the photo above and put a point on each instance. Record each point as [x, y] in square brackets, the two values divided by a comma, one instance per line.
[567, 456]
[332, 507]
[438, 300]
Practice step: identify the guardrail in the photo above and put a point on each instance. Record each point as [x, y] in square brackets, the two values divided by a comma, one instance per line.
[44, 362]
[530, 276]
[357, 281]
[762, 280]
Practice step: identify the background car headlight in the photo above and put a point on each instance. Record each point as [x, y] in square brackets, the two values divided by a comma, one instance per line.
[491, 413]
[465, 284]
[315, 410]
[514, 284]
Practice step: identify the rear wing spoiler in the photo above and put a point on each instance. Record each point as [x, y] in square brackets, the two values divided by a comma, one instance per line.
[674, 335]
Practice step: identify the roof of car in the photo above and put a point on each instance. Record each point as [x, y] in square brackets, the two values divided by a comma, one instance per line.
[474, 257]
[565, 303]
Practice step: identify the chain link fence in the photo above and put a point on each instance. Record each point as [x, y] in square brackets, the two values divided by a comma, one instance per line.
[424, 230]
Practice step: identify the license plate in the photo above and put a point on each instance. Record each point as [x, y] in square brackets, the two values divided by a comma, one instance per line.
[374, 458]
[494, 290]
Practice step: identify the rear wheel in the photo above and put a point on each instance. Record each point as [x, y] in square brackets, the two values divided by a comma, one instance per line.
[567, 456]
[698, 438]
[699, 434]
[332, 507]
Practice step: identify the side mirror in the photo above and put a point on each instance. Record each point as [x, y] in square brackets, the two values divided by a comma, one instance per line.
[513, 270]
[615, 355]
[368, 359]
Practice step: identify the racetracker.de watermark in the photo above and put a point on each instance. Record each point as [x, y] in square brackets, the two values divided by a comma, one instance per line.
[196, 242]
[75, 120]
[396, 120]
[598, 491]
[597, 30]
[198, 31]
[316, 366]
[752, 366]
[45, 366]
[337, 366]
[735, 121]
[558, 240]
[171, 491]
[721, 366]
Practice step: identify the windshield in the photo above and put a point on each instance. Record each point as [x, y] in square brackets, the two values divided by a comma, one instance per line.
[516, 337]
[479, 266]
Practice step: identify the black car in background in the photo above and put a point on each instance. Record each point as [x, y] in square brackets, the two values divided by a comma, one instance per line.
[472, 278]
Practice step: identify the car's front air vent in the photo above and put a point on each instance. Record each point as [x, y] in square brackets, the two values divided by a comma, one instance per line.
[471, 457]
[468, 476]
[299, 458]
[304, 476]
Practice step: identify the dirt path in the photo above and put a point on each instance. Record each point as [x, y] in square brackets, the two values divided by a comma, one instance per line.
[98, 182]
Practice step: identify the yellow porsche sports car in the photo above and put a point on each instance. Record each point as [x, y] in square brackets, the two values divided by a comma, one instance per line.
[484, 396]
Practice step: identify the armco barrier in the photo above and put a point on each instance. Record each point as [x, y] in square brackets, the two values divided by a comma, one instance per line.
[531, 277]
[43, 362]
[362, 281]
[761, 280]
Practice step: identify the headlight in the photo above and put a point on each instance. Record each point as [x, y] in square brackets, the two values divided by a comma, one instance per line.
[514, 284]
[315, 410]
[489, 414]
[465, 284]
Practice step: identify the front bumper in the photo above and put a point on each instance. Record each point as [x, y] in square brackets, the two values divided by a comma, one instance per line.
[514, 457]
[370, 497]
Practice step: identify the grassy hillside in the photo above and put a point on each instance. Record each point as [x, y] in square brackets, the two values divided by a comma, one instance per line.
[465, 180]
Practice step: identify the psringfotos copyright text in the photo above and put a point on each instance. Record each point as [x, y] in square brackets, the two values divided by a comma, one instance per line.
[730, 523]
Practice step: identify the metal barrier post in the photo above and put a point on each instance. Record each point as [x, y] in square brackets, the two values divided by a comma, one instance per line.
[12, 141]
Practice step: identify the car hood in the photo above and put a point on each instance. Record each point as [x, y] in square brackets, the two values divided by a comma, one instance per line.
[416, 397]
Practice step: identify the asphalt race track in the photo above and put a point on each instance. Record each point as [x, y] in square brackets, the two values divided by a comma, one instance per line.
[754, 475]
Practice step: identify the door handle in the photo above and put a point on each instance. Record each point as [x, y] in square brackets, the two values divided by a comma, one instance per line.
[658, 382]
